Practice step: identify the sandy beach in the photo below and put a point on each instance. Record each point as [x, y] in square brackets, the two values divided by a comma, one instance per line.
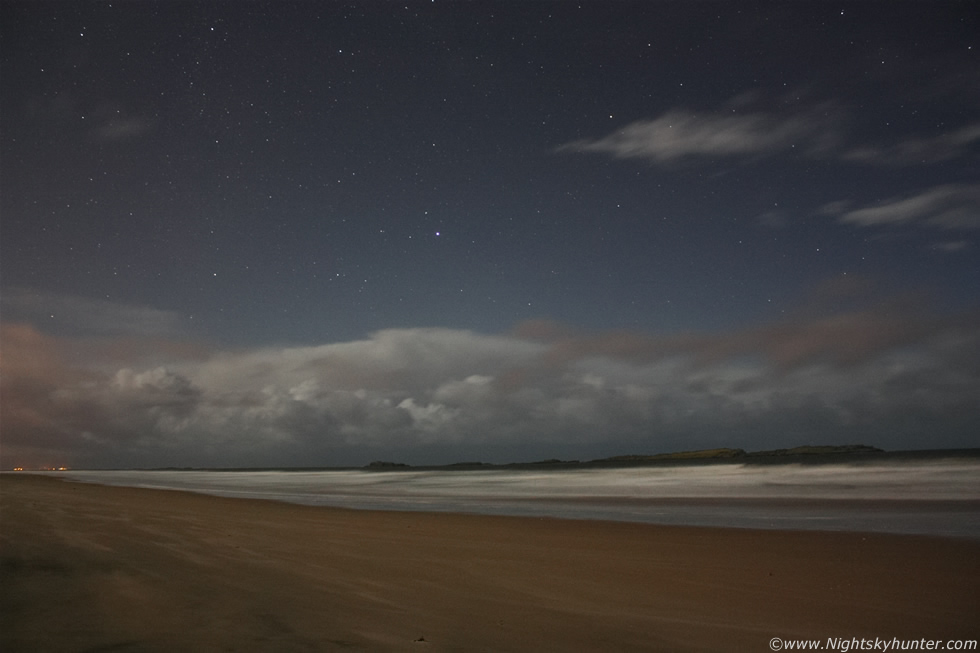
[96, 568]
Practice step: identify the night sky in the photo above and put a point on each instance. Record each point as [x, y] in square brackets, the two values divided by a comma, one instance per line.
[278, 233]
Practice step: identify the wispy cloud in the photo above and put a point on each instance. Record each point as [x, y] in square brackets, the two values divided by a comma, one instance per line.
[950, 207]
[952, 245]
[918, 150]
[743, 130]
[83, 315]
[118, 129]
[879, 374]
[679, 134]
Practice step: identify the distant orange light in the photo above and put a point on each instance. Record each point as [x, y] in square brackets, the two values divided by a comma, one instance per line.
[18, 469]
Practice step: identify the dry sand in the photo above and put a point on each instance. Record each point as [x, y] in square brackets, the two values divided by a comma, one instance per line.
[94, 568]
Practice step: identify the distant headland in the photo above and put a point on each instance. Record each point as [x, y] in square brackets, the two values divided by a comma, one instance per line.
[806, 452]
[803, 455]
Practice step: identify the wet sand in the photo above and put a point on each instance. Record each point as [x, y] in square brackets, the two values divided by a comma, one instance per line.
[96, 568]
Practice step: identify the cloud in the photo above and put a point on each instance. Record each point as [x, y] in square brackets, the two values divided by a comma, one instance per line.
[82, 315]
[919, 150]
[742, 129]
[679, 134]
[952, 245]
[948, 207]
[119, 129]
[828, 338]
[883, 374]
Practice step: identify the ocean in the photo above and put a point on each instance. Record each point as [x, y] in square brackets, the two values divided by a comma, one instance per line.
[931, 497]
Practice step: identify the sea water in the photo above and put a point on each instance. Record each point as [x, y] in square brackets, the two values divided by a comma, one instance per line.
[934, 497]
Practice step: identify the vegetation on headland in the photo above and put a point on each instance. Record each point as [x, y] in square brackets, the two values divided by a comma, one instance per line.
[384, 464]
[703, 455]
[677, 455]
[811, 450]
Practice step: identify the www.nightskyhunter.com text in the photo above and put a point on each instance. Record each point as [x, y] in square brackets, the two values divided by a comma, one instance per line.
[877, 644]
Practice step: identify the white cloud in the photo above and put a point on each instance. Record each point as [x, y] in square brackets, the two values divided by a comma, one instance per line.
[919, 150]
[681, 134]
[950, 206]
[158, 388]
[739, 130]
[861, 376]
[431, 417]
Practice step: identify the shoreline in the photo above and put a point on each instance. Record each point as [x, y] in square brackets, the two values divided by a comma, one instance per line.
[152, 570]
[945, 504]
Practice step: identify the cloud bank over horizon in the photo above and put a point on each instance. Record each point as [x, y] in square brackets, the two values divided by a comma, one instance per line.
[892, 374]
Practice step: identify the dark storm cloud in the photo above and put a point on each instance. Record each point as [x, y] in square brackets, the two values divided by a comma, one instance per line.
[872, 374]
